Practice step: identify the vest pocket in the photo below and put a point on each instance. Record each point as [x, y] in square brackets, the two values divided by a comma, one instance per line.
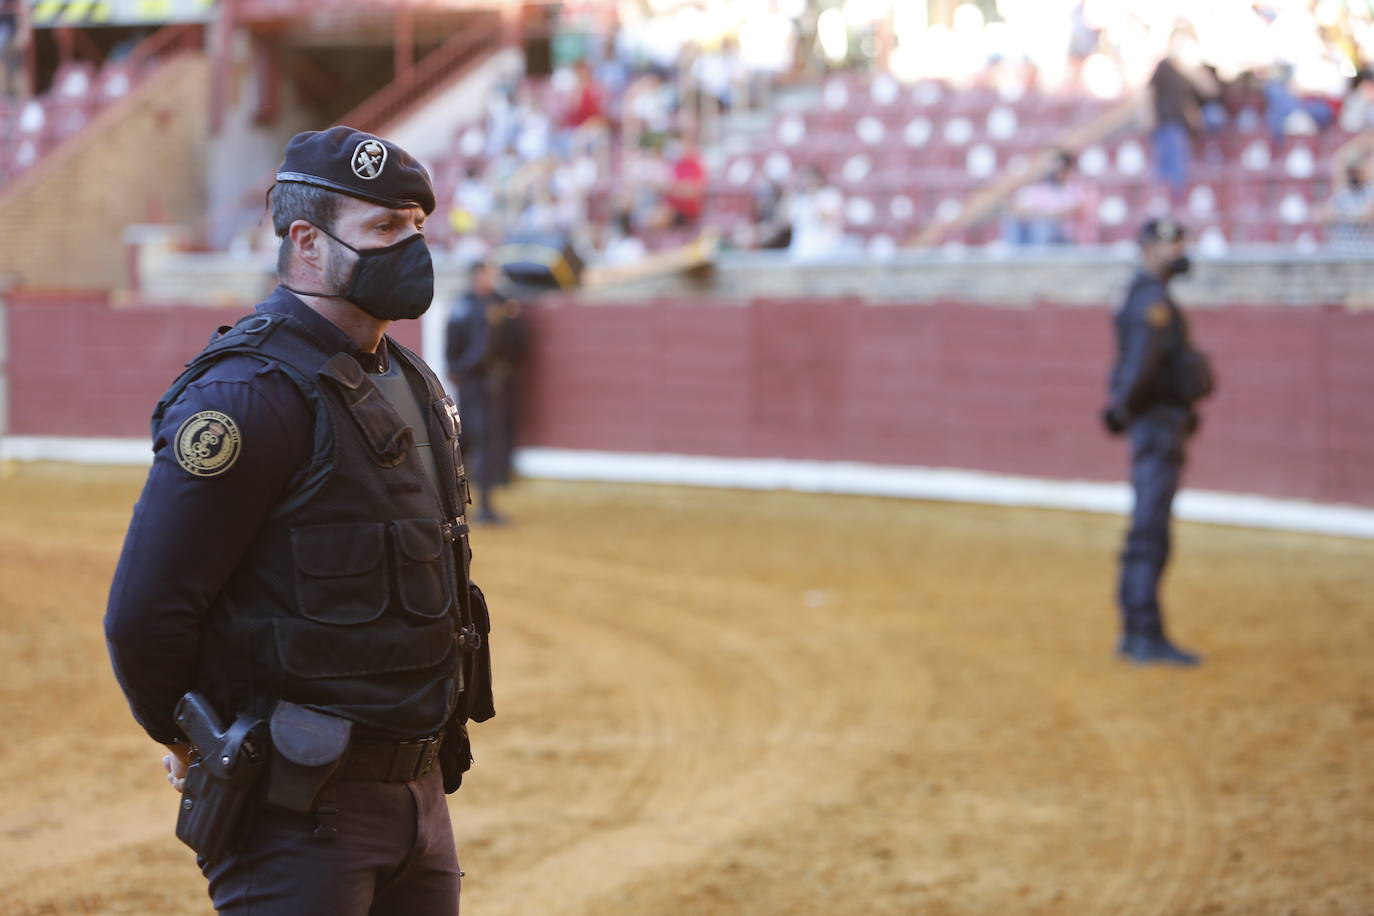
[340, 577]
[423, 566]
[382, 647]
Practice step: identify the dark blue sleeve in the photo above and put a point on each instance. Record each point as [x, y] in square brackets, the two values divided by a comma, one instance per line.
[1142, 344]
[212, 484]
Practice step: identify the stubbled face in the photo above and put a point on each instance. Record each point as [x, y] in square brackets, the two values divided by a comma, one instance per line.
[364, 225]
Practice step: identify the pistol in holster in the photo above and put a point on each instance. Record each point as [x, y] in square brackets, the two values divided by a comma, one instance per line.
[222, 781]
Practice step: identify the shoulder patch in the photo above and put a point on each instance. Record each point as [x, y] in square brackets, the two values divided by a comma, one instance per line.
[207, 444]
[1157, 315]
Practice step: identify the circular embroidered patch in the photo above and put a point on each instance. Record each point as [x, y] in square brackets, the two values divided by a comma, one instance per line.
[1157, 315]
[208, 443]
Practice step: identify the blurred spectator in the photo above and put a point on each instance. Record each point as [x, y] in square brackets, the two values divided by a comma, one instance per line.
[472, 202]
[588, 106]
[502, 121]
[648, 110]
[686, 194]
[1178, 113]
[647, 175]
[1289, 113]
[719, 71]
[1357, 111]
[771, 228]
[622, 245]
[1047, 212]
[532, 127]
[816, 213]
[1349, 214]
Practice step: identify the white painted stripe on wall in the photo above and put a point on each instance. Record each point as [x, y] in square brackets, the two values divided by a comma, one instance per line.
[823, 477]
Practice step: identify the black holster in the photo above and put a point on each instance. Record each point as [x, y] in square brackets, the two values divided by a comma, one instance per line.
[222, 781]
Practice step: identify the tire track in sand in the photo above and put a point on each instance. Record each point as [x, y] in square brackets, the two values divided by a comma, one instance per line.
[735, 718]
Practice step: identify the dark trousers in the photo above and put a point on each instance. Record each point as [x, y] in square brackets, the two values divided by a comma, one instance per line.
[1157, 456]
[393, 854]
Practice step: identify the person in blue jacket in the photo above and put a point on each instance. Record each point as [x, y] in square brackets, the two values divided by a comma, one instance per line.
[1156, 382]
[299, 556]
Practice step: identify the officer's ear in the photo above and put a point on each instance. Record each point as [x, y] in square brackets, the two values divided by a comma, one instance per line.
[307, 243]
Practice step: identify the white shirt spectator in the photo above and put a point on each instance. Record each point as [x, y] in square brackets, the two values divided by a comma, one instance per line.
[817, 216]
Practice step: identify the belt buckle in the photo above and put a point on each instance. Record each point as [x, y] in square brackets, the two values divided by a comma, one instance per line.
[413, 759]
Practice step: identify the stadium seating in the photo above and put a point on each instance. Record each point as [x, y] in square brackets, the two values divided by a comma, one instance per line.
[903, 156]
[80, 90]
[906, 155]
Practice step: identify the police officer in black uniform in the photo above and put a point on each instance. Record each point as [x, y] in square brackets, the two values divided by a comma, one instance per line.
[1155, 384]
[486, 344]
[299, 555]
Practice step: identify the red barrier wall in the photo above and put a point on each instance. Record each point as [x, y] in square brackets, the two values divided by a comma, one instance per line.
[950, 385]
[80, 368]
[945, 385]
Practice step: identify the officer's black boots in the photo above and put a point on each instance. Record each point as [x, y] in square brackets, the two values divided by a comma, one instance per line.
[1154, 649]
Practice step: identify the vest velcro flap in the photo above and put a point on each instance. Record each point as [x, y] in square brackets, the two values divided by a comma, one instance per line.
[307, 746]
[387, 437]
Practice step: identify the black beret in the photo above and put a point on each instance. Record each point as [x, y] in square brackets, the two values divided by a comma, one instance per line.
[1161, 230]
[360, 165]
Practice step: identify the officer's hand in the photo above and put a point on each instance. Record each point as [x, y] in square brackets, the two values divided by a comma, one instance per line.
[176, 764]
[1114, 420]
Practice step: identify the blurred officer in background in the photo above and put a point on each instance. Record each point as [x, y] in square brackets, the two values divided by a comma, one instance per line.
[486, 344]
[1156, 381]
[299, 559]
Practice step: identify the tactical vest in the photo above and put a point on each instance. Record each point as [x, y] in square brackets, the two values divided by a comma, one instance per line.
[354, 599]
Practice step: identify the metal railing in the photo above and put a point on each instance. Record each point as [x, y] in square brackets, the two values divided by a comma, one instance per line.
[167, 42]
[458, 53]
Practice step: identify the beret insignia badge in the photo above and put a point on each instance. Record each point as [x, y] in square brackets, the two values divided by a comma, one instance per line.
[207, 444]
[368, 158]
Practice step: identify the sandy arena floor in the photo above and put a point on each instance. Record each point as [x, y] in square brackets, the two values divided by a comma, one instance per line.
[765, 703]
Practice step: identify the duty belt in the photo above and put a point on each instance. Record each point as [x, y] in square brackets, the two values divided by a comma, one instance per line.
[389, 761]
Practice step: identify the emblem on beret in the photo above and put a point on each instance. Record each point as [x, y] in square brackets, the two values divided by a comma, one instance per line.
[207, 444]
[368, 158]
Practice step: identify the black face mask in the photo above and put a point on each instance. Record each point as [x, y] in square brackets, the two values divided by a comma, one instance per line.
[389, 283]
[1179, 266]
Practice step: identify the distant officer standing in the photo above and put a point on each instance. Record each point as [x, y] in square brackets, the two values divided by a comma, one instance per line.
[1155, 384]
[297, 566]
[486, 344]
